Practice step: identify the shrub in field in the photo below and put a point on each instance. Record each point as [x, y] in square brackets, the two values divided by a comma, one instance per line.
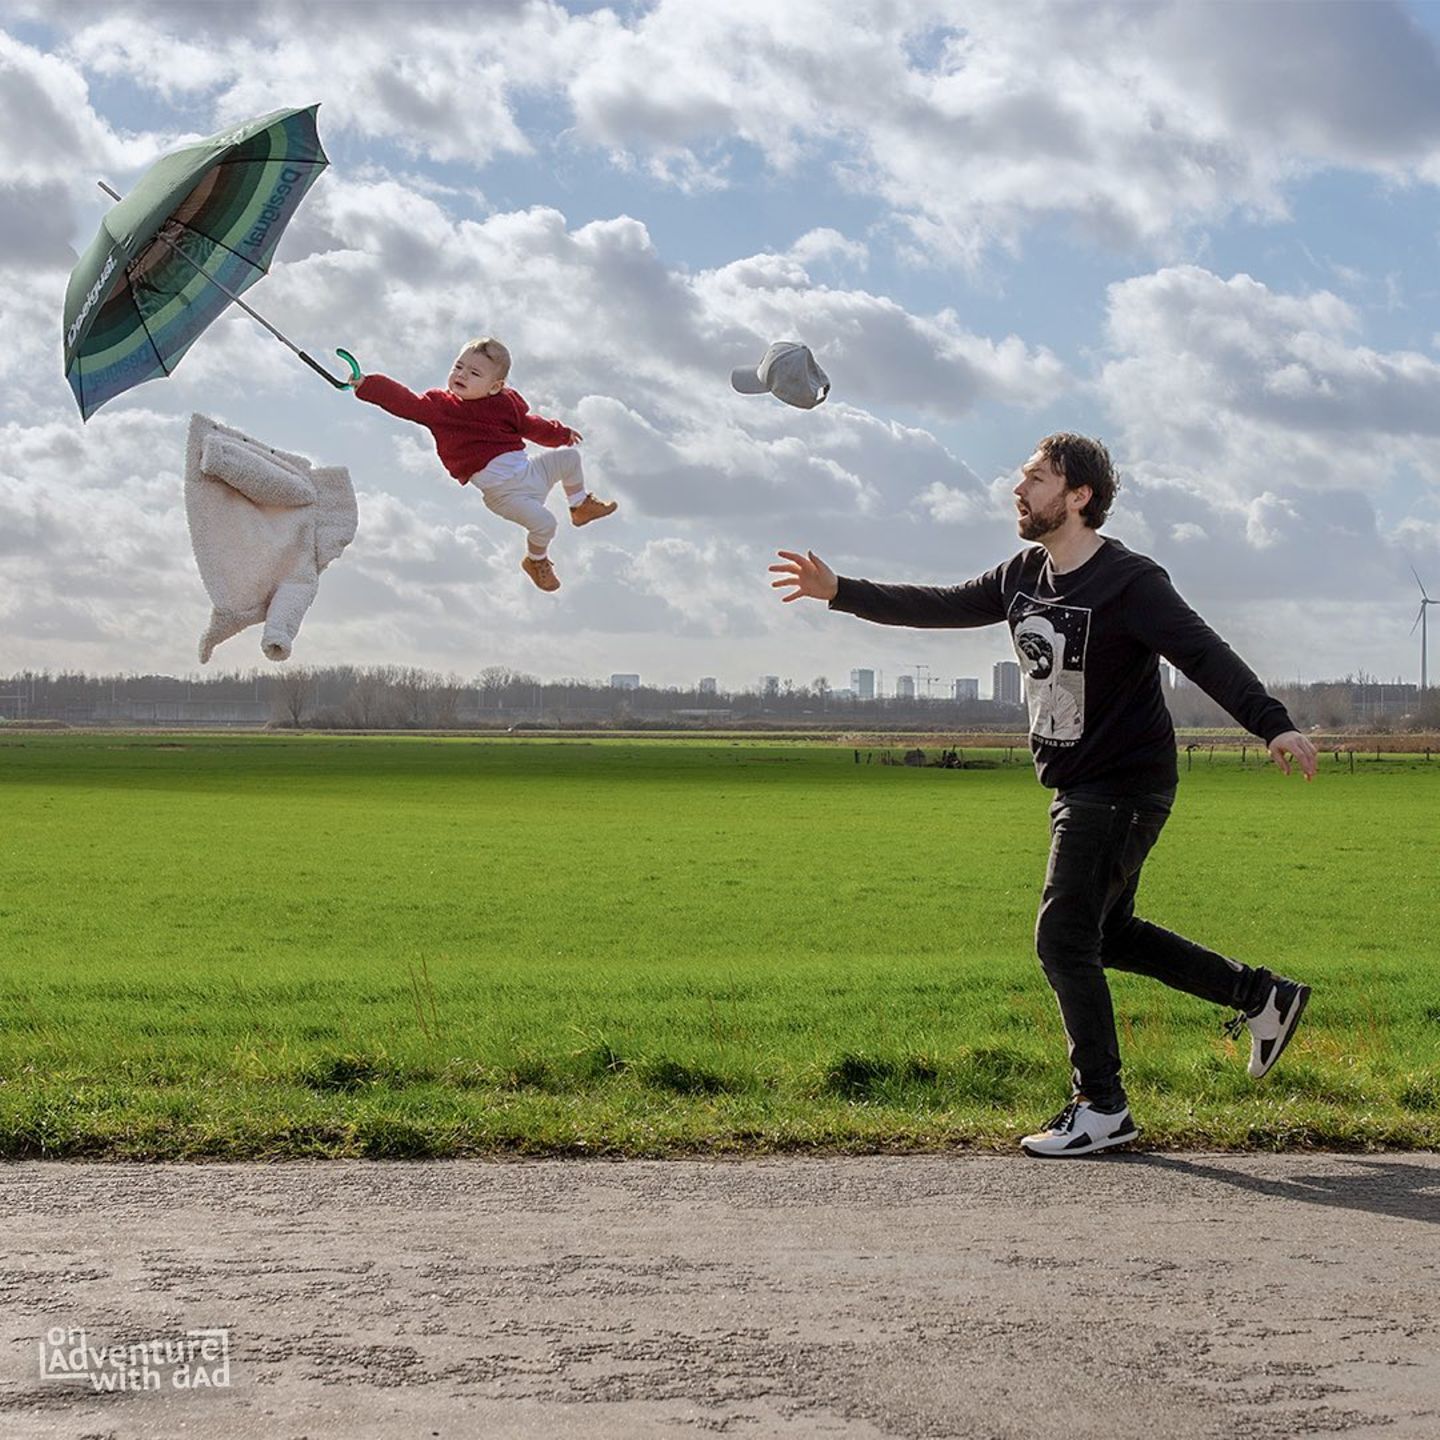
[347, 1072]
[603, 1060]
[993, 1073]
[530, 1072]
[664, 1073]
[385, 1137]
[1420, 1092]
[862, 1077]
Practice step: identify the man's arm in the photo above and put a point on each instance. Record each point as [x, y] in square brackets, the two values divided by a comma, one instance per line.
[1160, 619]
[929, 607]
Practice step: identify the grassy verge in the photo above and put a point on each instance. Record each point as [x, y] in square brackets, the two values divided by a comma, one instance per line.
[300, 946]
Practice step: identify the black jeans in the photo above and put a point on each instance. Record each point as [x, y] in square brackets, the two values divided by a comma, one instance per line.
[1087, 923]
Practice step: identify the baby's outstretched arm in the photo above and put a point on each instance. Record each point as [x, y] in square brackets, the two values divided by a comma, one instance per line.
[390, 395]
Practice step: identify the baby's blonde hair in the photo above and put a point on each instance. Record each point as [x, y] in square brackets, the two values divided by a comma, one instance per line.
[492, 349]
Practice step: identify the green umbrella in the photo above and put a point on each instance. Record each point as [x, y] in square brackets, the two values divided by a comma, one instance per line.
[200, 226]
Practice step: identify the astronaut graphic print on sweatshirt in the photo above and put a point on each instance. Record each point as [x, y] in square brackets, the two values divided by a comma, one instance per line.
[1050, 642]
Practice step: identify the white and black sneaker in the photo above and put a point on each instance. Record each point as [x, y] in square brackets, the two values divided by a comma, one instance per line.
[1080, 1129]
[1271, 1024]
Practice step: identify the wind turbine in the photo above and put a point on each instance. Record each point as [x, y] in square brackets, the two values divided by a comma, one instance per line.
[1424, 629]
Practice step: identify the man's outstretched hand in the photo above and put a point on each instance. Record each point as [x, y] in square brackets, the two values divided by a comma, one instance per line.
[805, 574]
[1294, 745]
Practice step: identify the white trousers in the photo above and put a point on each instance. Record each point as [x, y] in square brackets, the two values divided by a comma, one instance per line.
[521, 497]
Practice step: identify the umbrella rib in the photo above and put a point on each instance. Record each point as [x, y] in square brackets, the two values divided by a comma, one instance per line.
[254, 314]
[185, 225]
[140, 315]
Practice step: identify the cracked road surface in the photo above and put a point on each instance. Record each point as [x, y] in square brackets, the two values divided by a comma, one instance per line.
[1250, 1297]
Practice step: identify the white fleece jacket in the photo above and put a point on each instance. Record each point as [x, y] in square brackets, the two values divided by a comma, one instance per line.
[264, 524]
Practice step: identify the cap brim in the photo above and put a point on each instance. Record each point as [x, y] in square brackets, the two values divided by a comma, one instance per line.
[748, 382]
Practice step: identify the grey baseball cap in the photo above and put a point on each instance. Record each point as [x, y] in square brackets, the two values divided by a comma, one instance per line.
[789, 372]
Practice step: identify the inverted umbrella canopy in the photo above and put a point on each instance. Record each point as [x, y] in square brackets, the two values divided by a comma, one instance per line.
[199, 227]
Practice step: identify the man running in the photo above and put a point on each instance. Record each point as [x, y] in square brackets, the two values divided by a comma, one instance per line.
[1089, 620]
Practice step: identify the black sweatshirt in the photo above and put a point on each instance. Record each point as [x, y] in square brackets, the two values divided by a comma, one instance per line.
[1088, 642]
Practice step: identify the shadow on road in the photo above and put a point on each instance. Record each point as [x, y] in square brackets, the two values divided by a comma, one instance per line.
[1378, 1187]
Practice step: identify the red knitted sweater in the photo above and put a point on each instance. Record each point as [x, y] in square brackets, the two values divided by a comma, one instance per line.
[469, 434]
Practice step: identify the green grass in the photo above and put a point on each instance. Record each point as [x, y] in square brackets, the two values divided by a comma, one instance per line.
[222, 946]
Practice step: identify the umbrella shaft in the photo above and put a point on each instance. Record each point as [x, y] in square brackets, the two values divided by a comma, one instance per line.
[254, 315]
[225, 289]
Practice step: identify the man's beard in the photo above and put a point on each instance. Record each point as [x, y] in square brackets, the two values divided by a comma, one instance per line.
[1038, 523]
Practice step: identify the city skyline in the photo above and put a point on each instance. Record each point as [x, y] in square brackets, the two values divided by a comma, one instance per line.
[937, 688]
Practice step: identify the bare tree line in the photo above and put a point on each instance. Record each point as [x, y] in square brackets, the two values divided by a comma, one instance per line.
[390, 697]
[397, 697]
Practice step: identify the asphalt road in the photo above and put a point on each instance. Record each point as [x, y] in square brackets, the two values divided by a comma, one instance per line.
[1175, 1295]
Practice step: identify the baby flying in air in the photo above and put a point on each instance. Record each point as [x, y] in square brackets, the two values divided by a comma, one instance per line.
[480, 429]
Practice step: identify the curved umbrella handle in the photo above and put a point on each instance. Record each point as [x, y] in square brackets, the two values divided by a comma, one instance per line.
[355, 371]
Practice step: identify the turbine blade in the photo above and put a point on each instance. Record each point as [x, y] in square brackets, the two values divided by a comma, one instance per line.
[1418, 614]
[1419, 581]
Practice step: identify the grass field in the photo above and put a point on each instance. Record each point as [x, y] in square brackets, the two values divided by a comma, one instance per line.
[258, 946]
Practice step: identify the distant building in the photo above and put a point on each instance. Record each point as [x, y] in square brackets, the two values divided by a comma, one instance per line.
[707, 685]
[905, 687]
[1005, 683]
[624, 682]
[862, 682]
[1373, 701]
[1167, 676]
[966, 690]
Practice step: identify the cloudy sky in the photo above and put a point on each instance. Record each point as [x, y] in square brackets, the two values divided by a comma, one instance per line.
[1209, 233]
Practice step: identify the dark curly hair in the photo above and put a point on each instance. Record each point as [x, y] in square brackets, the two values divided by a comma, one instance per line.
[1083, 461]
